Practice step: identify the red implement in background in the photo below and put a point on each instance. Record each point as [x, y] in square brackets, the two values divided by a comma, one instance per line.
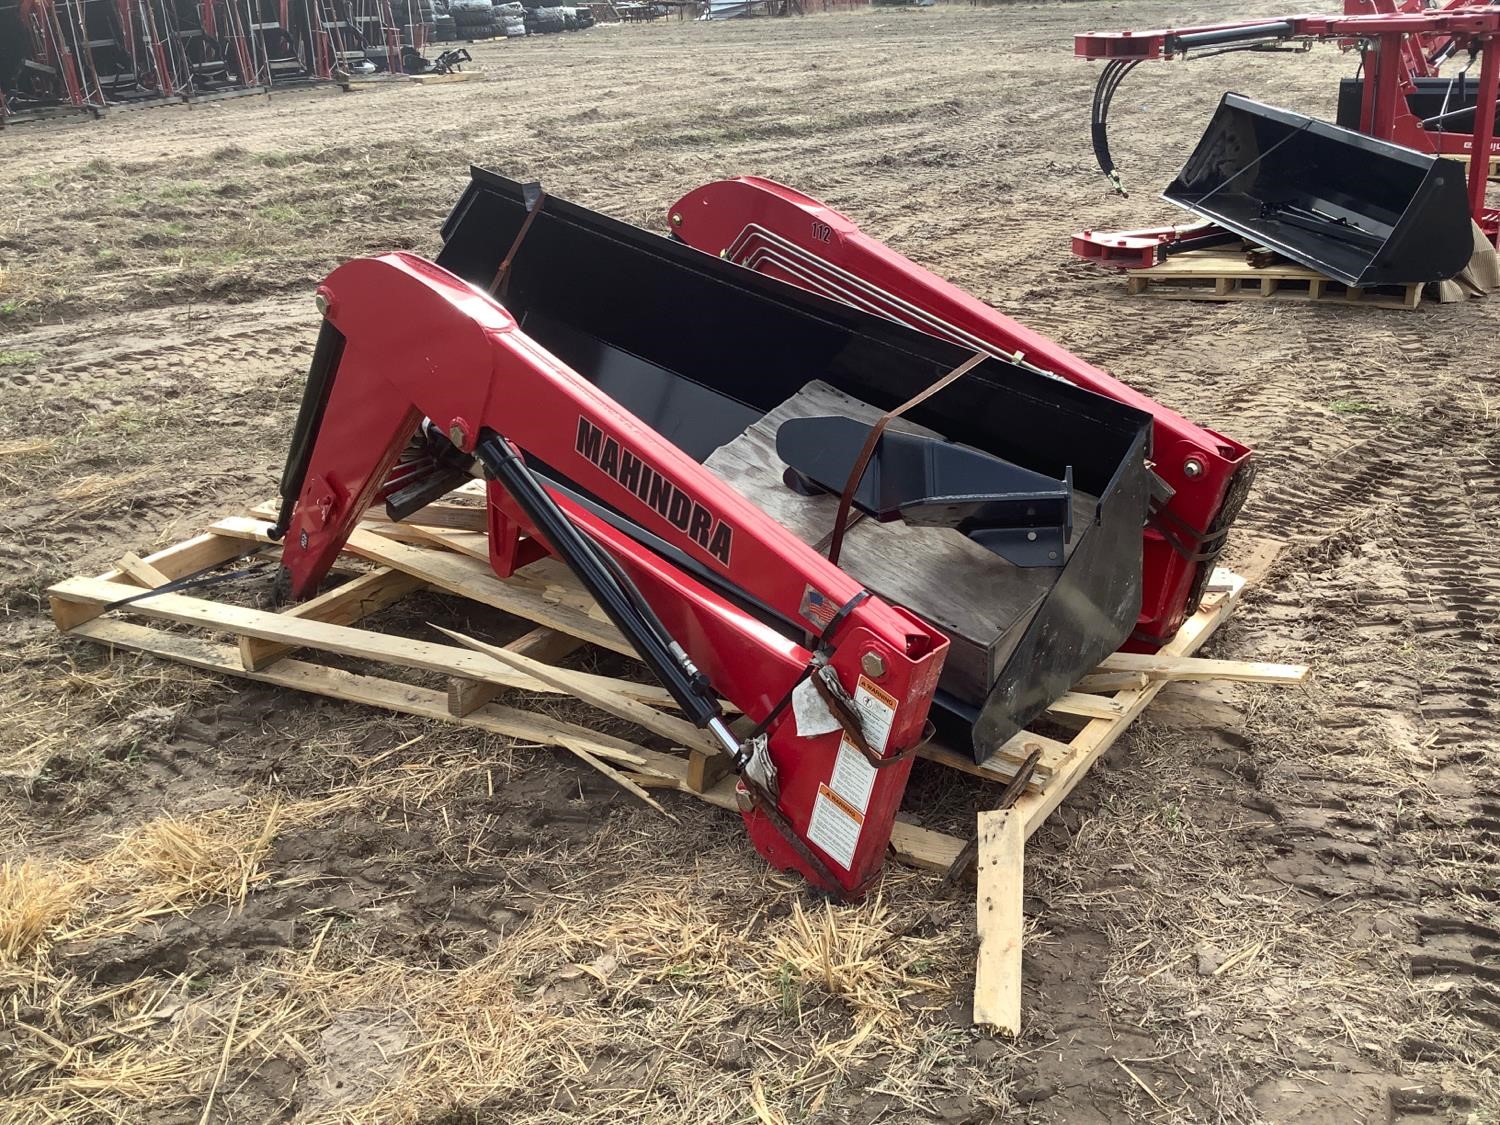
[1400, 46]
[784, 234]
[404, 340]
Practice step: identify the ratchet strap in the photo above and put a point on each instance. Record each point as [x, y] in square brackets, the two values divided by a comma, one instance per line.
[535, 199]
[862, 462]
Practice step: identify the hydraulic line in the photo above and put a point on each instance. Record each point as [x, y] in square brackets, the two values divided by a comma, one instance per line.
[1116, 69]
[616, 595]
[1109, 81]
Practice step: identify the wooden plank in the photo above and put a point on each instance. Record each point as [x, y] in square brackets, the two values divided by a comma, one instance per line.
[375, 691]
[424, 655]
[142, 572]
[1221, 263]
[705, 769]
[589, 690]
[581, 750]
[997, 978]
[1316, 290]
[456, 517]
[1165, 667]
[1088, 706]
[472, 544]
[188, 557]
[1107, 682]
[540, 644]
[467, 577]
[344, 605]
[920, 847]
[1101, 734]
[1000, 766]
[176, 561]
[67, 615]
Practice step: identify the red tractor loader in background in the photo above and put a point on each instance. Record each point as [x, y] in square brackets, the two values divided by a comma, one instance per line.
[1378, 196]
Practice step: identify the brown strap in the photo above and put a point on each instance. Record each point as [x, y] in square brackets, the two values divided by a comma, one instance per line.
[849, 719]
[969, 853]
[502, 275]
[862, 462]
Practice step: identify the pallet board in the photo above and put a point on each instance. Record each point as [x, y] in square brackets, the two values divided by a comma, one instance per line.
[1224, 275]
[1466, 158]
[389, 561]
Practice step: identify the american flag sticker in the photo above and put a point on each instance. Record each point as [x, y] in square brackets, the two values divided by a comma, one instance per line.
[817, 608]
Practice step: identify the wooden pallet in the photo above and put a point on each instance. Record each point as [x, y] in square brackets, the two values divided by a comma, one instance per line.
[1467, 158]
[443, 548]
[1224, 275]
[50, 113]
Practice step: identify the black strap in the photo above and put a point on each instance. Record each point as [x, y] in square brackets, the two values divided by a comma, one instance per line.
[872, 441]
[838, 619]
[196, 579]
[1192, 544]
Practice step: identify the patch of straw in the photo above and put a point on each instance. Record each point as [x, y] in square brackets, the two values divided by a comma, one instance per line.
[27, 447]
[33, 900]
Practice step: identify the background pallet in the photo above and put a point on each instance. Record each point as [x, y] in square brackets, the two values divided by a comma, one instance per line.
[1225, 275]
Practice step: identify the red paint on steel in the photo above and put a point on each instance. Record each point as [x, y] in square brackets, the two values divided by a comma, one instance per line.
[421, 342]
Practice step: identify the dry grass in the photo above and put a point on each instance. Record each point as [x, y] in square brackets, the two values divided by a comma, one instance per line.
[33, 900]
[96, 493]
[169, 864]
[23, 448]
[859, 957]
[559, 1006]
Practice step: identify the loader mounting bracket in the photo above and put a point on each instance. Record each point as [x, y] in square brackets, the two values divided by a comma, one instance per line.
[1021, 515]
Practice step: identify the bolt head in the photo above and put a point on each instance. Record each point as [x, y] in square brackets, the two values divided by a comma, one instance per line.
[872, 664]
[320, 302]
[1193, 468]
[677, 218]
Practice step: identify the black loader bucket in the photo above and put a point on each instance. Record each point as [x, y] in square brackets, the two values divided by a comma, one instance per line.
[1361, 210]
[1006, 509]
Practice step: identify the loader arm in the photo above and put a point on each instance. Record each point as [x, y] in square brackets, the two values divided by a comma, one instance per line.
[777, 231]
[405, 340]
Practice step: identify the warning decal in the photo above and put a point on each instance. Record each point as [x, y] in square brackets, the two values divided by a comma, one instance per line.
[838, 814]
[853, 777]
[877, 712]
[835, 827]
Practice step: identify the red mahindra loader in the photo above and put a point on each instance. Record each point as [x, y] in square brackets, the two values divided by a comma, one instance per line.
[695, 439]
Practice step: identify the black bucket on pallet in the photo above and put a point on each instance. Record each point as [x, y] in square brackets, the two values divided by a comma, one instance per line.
[1361, 210]
[700, 349]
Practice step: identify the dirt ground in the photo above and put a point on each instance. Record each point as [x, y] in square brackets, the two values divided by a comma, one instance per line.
[224, 902]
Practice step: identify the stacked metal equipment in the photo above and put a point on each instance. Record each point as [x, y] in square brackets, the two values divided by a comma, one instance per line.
[93, 55]
[472, 19]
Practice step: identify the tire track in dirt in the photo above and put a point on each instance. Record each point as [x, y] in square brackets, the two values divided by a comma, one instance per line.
[1395, 523]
